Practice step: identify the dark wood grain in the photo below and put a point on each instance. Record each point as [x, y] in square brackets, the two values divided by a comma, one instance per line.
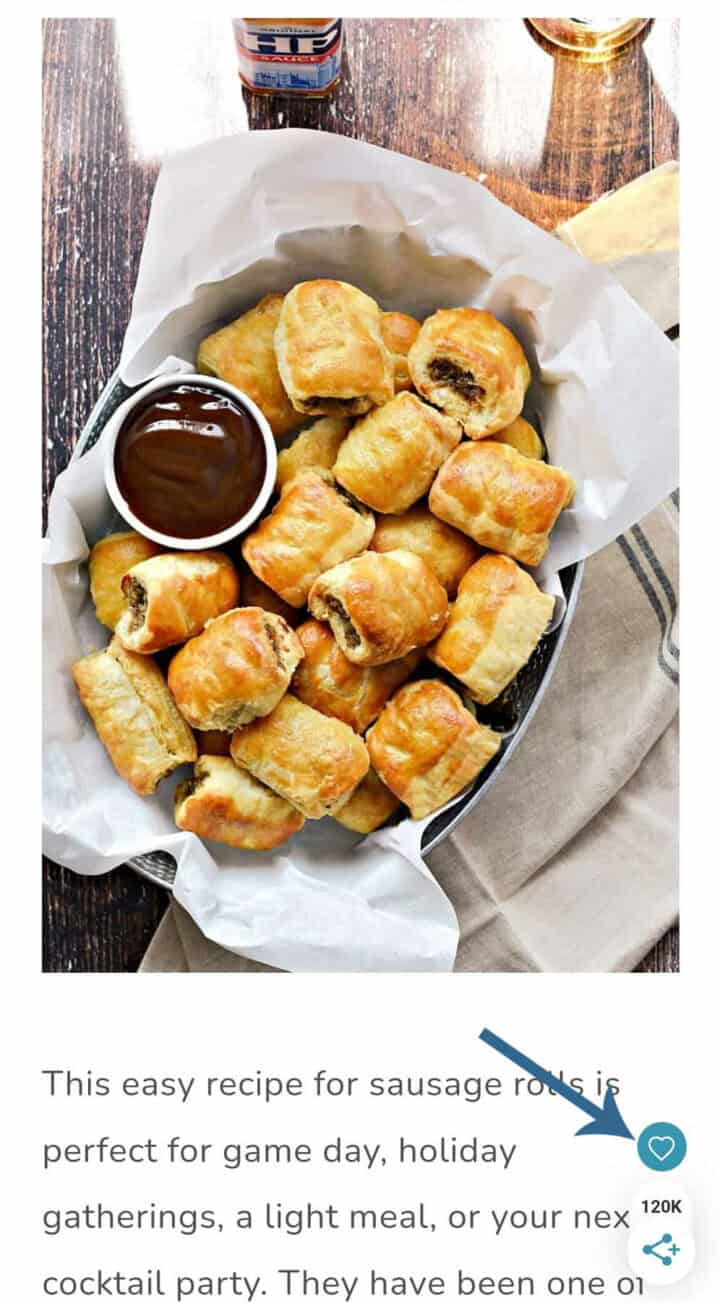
[484, 97]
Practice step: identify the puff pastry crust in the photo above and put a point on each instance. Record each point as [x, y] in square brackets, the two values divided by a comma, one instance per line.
[110, 559]
[135, 716]
[495, 625]
[523, 438]
[225, 804]
[169, 598]
[390, 457]
[313, 527]
[326, 680]
[314, 449]
[380, 606]
[370, 806]
[399, 333]
[330, 351]
[503, 500]
[445, 550]
[312, 761]
[426, 747]
[253, 592]
[236, 669]
[472, 367]
[243, 353]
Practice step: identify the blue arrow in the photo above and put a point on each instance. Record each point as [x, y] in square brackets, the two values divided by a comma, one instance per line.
[606, 1121]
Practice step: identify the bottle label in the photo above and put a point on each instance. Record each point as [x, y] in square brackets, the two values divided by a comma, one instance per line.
[289, 56]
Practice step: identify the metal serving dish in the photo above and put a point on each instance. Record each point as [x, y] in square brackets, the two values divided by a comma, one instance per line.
[511, 715]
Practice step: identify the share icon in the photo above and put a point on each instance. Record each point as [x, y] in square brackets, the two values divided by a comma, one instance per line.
[666, 1258]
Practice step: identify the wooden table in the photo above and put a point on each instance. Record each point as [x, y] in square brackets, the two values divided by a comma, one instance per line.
[478, 96]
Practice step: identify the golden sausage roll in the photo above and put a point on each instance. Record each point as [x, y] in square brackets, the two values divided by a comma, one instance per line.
[370, 806]
[469, 365]
[109, 561]
[312, 761]
[399, 333]
[236, 669]
[380, 605]
[426, 747]
[503, 500]
[225, 804]
[495, 625]
[390, 457]
[253, 592]
[243, 353]
[523, 438]
[135, 716]
[314, 449]
[169, 598]
[445, 550]
[312, 527]
[330, 351]
[326, 680]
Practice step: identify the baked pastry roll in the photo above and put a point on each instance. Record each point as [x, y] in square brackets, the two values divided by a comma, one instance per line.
[326, 680]
[212, 742]
[313, 761]
[236, 669]
[135, 716]
[503, 500]
[380, 605]
[253, 592]
[314, 449]
[370, 806]
[110, 559]
[330, 352]
[426, 747]
[469, 365]
[399, 333]
[445, 550]
[243, 354]
[523, 438]
[225, 804]
[390, 457]
[495, 625]
[169, 598]
[313, 526]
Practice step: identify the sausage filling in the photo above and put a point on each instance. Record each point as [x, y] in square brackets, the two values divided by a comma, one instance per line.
[350, 633]
[137, 600]
[445, 372]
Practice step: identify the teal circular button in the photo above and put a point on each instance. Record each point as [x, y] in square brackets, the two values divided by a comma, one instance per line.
[662, 1146]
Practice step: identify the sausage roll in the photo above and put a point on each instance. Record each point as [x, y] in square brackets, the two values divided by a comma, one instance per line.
[469, 365]
[503, 500]
[135, 716]
[523, 438]
[330, 352]
[380, 605]
[243, 354]
[312, 761]
[314, 449]
[426, 747]
[212, 742]
[399, 333]
[254, 592]
[328, 681]
[236, 669]
[495, 625]
[110, 559]
[313, 526]
[169, 598]
[445, 550]
[226, 804]
[370, 805]
[390, 457]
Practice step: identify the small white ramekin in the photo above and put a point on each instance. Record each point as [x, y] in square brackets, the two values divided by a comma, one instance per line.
[118, 419]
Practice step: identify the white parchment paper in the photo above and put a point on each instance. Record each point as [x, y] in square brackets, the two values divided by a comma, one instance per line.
[231, 221]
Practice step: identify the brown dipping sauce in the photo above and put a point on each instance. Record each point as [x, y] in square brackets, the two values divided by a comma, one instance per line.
[190, 461]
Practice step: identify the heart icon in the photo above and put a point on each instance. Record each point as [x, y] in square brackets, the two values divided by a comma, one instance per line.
[661, 1147]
